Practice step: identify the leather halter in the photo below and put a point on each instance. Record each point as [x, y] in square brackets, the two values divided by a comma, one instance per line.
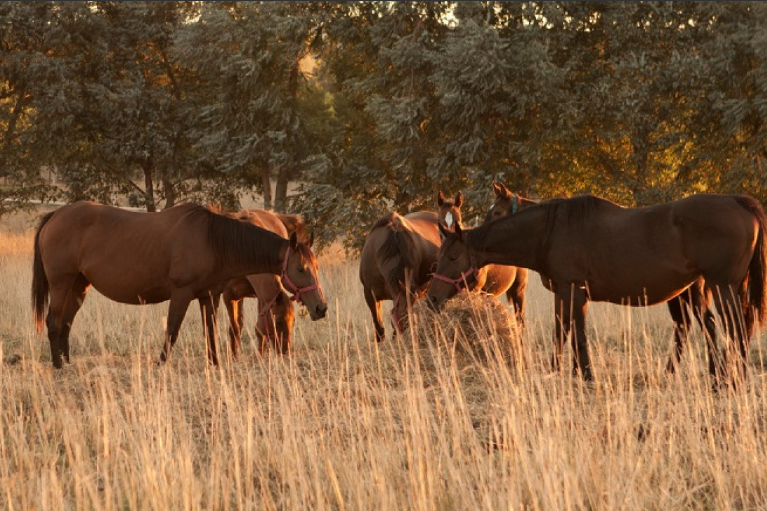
[290, 285]
[460, 281]
[264, 315]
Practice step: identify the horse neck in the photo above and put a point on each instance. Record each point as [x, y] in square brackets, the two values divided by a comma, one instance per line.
[512, 241]
[248, 258]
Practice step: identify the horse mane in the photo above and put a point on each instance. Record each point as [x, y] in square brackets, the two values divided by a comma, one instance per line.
[398, 245]
[230, 238]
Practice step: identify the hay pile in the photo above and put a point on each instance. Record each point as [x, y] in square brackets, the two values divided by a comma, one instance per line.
[471, 325]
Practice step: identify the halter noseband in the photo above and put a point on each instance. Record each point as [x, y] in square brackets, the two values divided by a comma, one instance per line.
[460, 281]
[290, 285]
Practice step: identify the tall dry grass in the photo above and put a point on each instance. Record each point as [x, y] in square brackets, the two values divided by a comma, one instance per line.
[344, 423]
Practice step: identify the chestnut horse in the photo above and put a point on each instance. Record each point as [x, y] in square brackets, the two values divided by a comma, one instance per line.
[275, 312]
[396, 264]
[493, 279]
[184, 253]
[590, 249]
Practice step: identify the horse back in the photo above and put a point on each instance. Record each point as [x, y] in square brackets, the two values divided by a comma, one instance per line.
[128, 256]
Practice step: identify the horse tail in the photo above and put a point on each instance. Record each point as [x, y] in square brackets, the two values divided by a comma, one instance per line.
[40, 286]
[757, 268]
[399, 246]
[294, 224]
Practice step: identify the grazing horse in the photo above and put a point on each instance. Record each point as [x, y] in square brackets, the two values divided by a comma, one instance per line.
[275, 312]
[184, 253]
[696, 299]
[493, 279]
[590, 249]
[396, 264]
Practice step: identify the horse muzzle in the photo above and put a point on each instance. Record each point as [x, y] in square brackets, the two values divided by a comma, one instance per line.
[318, 312]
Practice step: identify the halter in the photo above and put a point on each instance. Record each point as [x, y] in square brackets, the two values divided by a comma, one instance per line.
[297, 291]
[460, 281]
[263, 315]
[514, 203]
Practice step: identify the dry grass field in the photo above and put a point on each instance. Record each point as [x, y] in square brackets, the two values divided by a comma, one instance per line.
[345, 424]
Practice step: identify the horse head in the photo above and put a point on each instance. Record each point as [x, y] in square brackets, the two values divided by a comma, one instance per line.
[299, 276]
[456, 267]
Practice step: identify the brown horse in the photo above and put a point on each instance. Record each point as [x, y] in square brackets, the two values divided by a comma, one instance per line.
[588, 248]
[493, 279]
[275, 312]
[396, 264]
[182, 254]
[696, 299]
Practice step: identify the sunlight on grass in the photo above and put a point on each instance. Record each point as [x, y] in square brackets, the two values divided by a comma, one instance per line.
[440, 418]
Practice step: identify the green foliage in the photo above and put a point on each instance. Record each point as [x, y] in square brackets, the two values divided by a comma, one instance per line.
[641, 102]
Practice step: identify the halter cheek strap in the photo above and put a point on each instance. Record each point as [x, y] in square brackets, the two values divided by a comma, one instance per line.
[514, 203]
[264, 315]
[292, 287]
[461, 280]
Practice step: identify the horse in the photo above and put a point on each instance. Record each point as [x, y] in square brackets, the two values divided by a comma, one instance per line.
[181, 254]
[396, 264]
[695, 299]
[275, 311]
[590, 249]
[493, 279]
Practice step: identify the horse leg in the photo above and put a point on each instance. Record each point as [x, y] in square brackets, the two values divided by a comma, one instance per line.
[581, 359]
[679, 314]
[561, 331]
[65, 301]
[516, 296]
[730, 309]
[179, 303]
[375, 310]
[234, 311]
[700, 300]
[209, 310]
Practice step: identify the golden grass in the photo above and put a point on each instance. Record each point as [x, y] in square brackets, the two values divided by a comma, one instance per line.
[343, 423]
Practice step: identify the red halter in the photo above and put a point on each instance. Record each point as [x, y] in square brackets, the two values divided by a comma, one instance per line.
[297, 291]
[264, 315]
[459, 282]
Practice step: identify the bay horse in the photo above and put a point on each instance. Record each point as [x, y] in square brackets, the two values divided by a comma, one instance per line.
[493, 279]
[275, 310]
[695, 299]
[590, 249]
[181, 254]
[396, 264]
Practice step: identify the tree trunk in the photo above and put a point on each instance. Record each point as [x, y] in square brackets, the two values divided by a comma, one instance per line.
[266, 184]
[281, 190]
[170, 193]
[148, 169]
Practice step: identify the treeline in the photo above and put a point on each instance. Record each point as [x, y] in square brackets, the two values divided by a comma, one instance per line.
[373, 106]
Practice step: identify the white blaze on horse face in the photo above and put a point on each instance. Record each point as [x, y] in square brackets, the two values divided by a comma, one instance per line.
[491, 207]
[449, 220]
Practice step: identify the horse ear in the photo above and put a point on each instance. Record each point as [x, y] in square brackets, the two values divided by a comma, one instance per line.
[293, 241]
[505, 193]
[458, 200]
[496, 189]
[440, 198]
[311, 240]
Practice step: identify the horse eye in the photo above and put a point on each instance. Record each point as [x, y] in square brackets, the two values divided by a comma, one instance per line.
[301, 269]
[452, 257]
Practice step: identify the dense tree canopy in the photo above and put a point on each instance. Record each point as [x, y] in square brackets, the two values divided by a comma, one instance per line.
[361, 108]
